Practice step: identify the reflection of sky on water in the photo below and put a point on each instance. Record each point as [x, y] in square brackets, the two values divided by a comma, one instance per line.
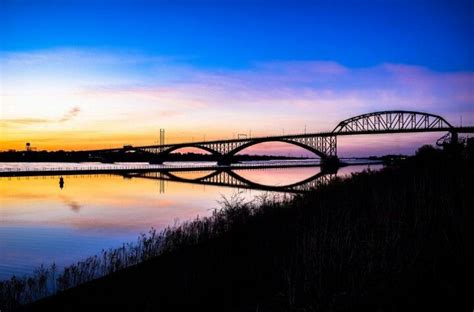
[347, 171]
[41, 223]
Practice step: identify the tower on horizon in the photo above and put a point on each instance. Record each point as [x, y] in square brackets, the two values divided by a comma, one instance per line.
[162, 136]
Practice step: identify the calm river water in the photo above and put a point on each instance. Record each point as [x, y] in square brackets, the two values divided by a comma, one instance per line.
[41, 223]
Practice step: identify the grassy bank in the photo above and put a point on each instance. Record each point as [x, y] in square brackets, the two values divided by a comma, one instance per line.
[378, 241]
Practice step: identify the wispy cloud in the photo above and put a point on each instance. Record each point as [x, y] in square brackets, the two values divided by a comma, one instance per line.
[73, 112]
[72, 56]
[23, 121]
[326, 90]
[67, 116]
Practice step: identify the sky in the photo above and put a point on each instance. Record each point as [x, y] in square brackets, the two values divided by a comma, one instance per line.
[98, 74]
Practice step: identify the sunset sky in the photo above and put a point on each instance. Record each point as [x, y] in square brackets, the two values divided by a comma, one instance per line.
[98, 74]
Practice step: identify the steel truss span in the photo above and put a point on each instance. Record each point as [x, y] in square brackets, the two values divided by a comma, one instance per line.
[322, 144]
[392, 121]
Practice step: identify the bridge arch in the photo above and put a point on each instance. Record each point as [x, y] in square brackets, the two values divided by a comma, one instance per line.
[226, 157]
[391, 121]
[178, 147]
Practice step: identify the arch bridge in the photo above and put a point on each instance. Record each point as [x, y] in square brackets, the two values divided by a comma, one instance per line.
[322, 144]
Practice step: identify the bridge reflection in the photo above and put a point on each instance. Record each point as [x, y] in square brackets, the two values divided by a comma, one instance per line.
[231, 178]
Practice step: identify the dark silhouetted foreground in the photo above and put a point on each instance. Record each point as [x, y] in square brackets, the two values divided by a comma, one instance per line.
[378, 241]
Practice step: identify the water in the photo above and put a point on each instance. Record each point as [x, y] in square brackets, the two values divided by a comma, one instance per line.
[41, 223]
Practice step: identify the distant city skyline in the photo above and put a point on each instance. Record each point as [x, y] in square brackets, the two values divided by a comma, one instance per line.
[97, 74]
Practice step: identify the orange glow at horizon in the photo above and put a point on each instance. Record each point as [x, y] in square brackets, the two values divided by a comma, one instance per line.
[75, 142]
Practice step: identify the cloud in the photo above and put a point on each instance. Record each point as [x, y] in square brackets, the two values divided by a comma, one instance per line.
[70, 114]
[23, 121]
[155, 84]
[325, 90]
[70, 56]
[18, 122]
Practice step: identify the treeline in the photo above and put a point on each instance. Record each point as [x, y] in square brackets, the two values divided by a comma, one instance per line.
[393, 240]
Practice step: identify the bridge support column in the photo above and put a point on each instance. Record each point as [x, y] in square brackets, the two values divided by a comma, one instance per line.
[453, 145]
[330, 164]
[107, 159]
[156, 160]
[225, 161]
[454, 138]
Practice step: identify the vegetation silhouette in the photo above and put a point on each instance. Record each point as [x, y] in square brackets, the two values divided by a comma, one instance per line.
[390, 240]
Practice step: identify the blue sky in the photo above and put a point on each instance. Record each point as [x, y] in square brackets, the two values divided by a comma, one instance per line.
[87, 74]
[435, 34]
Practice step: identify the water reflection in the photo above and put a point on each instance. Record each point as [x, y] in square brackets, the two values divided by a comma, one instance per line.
[61, 183]
[41, 223]
[74, 205]
[232, 178]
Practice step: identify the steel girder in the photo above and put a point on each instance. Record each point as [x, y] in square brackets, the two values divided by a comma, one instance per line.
[391, 121]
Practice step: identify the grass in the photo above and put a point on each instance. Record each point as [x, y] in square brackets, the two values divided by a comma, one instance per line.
[378, 241]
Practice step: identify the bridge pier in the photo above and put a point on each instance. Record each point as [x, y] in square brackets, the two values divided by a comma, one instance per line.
[225, 162]
[156, 160]
[330, 164]
[107, 160]
[454, 138]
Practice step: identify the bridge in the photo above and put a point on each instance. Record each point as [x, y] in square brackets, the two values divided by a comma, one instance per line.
[322, 144]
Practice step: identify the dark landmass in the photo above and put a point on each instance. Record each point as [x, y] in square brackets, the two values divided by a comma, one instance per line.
[393, 240]
[68, 156]
[390, 159]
